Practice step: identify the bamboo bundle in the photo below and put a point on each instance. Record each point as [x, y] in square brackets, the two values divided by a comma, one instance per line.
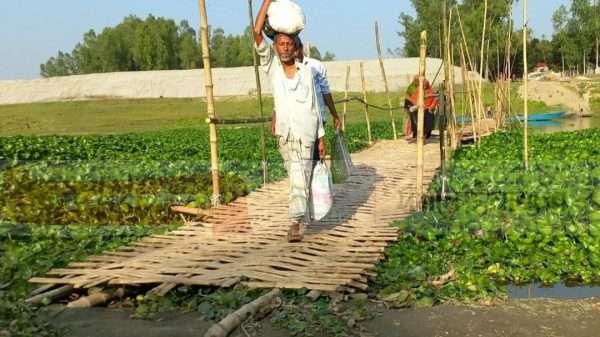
[385, 81]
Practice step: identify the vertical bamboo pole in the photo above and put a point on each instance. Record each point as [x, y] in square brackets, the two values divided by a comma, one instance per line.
[596, 70]
[364, 87]
[421, 120]
[468, 93]
[480, 107]
[446, 60]
[385, 81]
[509, 63]
[454, 142]
[259, 99]
[346, 98]
[210, 103]
[525, 88]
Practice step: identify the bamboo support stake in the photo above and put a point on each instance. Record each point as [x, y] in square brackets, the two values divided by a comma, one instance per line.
[421, 120]
[346, 98]
[467, 90]
[456, 141]
[385, 81]
[232, 321]
[480, 109]
[508, 62]
[449, 92]
[597, 27]
[210, 104]
[50, 295]
[525, 88]
[96, 299]
[364, 87]
[259, 99]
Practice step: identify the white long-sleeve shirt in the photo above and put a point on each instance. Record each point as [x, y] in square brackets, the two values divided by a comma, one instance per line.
[296, 104]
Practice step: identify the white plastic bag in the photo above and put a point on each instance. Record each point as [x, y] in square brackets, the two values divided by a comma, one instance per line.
[321, 191]
[285, 16]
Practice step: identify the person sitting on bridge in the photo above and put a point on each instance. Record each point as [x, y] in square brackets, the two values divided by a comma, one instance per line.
[430, 103]
[297, 117]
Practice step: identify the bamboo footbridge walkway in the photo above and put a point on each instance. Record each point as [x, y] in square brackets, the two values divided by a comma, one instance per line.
[245, 241]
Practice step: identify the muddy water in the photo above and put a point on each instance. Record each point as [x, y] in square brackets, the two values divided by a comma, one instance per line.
[560, 291]
[567, 124]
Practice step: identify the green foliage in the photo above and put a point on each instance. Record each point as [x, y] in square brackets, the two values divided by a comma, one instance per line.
[213, 305]
[27, 251]
[154, 43]
[20, 320]
[306, 319]
[576, 29]
[504, 225]
[127, 179]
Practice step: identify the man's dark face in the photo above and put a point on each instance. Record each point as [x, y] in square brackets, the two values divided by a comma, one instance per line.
[286, 48]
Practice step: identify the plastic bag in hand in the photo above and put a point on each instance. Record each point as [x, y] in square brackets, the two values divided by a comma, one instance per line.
[341, 162]
[321, 191]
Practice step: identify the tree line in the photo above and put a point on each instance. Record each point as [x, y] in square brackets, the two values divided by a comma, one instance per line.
[574, 44]
[153, 43]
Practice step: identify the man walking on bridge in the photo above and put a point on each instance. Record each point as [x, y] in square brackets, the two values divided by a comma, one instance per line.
[297, 120]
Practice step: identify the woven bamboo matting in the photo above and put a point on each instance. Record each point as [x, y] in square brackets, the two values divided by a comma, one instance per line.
[245, 241]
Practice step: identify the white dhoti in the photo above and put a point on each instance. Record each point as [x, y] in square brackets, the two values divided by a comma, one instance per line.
[299, 164]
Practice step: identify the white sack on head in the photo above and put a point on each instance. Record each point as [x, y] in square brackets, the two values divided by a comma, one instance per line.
[285, 16]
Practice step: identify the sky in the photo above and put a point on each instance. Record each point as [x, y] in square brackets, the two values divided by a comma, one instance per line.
[31, 31]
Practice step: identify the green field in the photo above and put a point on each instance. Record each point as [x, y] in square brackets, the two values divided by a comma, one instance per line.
[122, 116]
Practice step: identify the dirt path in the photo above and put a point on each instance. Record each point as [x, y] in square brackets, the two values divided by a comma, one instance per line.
[556, 93]
[522, 318]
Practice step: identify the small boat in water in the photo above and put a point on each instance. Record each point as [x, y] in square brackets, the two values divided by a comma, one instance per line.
[548, 116]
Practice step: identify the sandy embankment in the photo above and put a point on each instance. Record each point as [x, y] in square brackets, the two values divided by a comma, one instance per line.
[190, 83]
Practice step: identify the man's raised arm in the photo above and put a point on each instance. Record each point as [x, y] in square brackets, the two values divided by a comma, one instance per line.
[261, 18]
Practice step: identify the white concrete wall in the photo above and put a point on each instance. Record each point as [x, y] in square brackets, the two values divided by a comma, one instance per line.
[190, 83]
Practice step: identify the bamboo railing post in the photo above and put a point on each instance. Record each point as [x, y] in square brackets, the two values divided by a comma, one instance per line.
[449, 87]
[364, 87]
[210, 103]
[346, 98]
[421, 120]
[467, 90]
[385, 81]
[259, 99]
[480, 107]
[509, 63]
[525, 88]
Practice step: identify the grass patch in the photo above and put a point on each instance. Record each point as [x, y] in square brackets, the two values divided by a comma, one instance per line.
[143, 115]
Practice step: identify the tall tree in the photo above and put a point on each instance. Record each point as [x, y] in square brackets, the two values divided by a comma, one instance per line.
[153, 43]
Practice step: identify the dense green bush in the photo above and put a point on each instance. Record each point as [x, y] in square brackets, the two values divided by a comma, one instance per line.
[501, 224]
